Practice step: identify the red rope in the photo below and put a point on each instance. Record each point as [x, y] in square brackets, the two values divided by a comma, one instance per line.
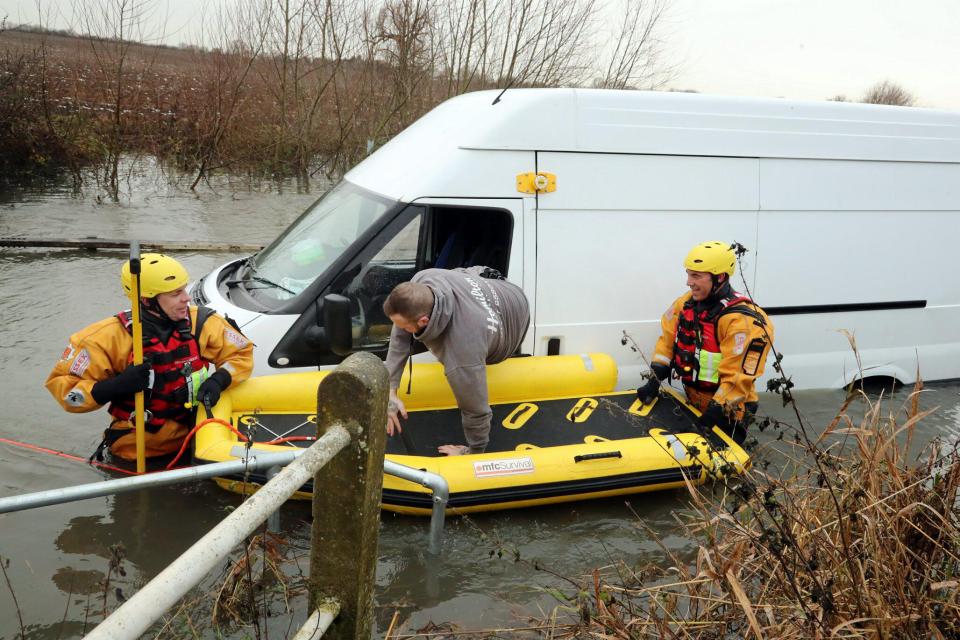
[193, 431]
[171, 464]
[68, 456]
[292, 439]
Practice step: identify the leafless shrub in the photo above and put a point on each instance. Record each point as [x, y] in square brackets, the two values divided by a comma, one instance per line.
[222, 82]
[888, 92]
[4, 563]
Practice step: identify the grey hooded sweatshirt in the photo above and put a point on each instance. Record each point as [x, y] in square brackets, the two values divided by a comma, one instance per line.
[474, 322]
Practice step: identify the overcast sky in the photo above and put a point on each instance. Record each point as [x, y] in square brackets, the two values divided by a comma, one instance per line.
[817, 49]
[805, 49]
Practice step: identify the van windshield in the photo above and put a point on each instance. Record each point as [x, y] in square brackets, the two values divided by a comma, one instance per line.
[311, 244]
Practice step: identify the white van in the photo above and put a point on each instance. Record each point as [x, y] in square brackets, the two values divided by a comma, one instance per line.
[850, 212]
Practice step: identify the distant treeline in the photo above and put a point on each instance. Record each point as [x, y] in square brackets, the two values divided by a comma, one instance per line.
[294, 87]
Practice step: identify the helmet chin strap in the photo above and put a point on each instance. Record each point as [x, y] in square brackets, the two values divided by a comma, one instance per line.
[154, 307]
[716, 286]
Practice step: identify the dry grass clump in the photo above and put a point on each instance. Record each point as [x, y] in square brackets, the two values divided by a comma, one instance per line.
[263, 583]
[862, 542]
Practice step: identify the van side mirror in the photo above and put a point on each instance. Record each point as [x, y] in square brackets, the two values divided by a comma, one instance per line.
[336, 322]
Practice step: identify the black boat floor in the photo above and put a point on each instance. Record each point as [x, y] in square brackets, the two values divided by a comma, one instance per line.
[544, 423]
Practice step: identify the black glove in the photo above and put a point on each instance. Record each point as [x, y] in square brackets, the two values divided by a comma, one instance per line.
[649, 391]
[209, 392]
[131, 380]
[714, 415]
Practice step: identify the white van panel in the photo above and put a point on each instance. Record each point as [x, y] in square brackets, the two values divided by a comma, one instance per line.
[829, 185]
[599, 181]
[266, 331]
[860, 232]
[845, 257]
[208, 285]
[659, 122]
[617, 266]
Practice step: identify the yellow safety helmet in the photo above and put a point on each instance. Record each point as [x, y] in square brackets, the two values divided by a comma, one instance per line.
[159, 273]
[713, 257]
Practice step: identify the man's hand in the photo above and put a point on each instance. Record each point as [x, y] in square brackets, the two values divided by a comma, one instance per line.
[453, 450]
[395, 410]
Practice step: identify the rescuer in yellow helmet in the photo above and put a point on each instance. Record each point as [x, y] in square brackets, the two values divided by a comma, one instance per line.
[715, 341]
[180, 343]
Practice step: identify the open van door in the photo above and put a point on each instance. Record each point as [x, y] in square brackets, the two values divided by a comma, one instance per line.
[446, 233]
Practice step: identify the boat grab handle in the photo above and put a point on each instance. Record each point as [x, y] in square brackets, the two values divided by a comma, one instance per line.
[597, 456]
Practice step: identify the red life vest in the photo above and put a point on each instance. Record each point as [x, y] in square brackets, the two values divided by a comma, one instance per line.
[172, 362]
[696, 351]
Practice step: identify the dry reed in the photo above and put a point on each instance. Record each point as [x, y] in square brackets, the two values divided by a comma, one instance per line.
[862, 541]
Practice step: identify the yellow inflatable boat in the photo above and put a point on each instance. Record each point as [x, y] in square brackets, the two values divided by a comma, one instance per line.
[560, 433]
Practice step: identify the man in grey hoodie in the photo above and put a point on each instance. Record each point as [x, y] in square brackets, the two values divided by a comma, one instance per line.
[468, 318]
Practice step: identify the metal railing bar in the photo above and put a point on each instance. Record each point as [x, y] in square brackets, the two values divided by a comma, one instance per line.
[255, 462]
[136, 615]
[441, 494]
[319, 621]
[155, 479]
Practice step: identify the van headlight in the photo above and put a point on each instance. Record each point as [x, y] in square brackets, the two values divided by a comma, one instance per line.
[196, 293]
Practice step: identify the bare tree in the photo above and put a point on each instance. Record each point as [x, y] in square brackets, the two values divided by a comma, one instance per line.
[113, 28]
[239, 39]
[309, 85]
[459, 38]
[635, 60]
[888, 92]
[400, 39]
[540, 42]
[330, 118]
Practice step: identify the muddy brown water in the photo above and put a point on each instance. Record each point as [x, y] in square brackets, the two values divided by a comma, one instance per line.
[57, 556]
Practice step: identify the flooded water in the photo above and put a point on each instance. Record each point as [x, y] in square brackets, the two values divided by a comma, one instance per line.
[56, 557]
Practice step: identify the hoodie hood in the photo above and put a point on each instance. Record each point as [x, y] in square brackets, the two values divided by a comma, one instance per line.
[439, 317]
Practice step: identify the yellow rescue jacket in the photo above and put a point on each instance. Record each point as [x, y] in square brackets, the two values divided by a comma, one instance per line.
[744, 343]
[103, 349]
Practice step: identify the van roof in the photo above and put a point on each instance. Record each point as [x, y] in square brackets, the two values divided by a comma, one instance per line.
[435, 155]
[596, 120]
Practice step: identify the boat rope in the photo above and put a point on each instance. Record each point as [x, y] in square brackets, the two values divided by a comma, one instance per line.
[186, 440]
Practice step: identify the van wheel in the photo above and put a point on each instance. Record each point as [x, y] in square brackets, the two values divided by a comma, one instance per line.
[875, 385]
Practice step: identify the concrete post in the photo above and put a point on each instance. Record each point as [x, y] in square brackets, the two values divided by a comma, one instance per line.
[346, 495]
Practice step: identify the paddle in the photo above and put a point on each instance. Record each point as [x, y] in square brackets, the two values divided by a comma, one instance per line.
[137, 353]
